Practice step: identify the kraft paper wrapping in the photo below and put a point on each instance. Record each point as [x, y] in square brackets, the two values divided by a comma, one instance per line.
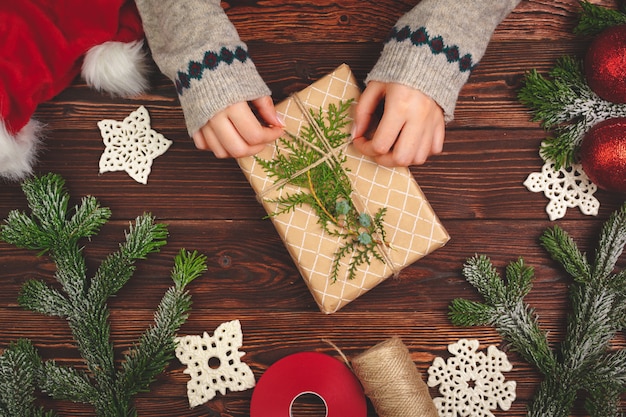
[410, 223]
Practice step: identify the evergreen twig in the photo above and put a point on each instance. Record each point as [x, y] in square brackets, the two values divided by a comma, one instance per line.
[583, 362]
[326, 188]
[19, 368]
[564, 103]
[81, 300]
[594, 19]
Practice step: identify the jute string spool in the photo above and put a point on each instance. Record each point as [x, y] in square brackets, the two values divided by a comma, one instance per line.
[392, 382]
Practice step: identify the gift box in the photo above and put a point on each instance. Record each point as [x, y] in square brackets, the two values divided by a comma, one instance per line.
[411, 229]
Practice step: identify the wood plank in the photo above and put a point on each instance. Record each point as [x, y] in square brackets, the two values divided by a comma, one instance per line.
[366, 21]
[248, 267]
[481, 170]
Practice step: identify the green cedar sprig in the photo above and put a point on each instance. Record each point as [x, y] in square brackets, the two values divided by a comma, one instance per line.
[594, 19]
[81, 300]
[583, 362]
[326, 188]
[564, 103]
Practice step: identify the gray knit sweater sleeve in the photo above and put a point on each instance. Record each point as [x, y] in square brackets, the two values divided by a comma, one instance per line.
[434, 46]
[197, 47]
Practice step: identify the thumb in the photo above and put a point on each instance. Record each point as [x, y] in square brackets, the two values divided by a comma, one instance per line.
[267, 111]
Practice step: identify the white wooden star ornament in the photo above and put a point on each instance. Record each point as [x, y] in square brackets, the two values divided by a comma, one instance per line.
[131, 145]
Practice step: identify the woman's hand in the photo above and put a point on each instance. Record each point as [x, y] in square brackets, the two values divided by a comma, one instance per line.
[236, 132]
[411, 129]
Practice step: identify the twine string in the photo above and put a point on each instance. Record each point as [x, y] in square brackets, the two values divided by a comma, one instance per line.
[324, 158]
[328, 155]
[392, 382]
[339, 351]
[332, 156]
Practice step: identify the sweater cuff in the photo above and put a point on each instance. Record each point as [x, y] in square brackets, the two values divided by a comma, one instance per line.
[425, 67]
[221, 79]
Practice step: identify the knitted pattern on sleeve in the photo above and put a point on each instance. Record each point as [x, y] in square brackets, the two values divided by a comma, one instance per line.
[195, 69]
[436, 45]
[195, 45]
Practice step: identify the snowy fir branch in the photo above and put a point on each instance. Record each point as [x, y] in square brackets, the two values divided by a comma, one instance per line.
[19, 369]
[57, 231]
[583, 362]
[564, 103]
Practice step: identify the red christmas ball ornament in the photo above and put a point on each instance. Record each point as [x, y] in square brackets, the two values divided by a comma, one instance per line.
[603, 154]
[605, 64]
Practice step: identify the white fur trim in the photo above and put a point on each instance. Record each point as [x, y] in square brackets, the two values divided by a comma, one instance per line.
[18, 152]
[117, 67]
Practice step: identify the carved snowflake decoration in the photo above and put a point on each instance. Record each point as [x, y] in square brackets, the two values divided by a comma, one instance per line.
[214, 363]
[567, 187]
[131, 145]
[471, 382]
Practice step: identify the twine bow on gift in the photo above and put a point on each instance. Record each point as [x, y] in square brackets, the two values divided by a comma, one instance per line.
[372, 234]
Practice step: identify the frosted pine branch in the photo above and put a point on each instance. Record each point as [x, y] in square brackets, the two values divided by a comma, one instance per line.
[565, 105]
[55, 229]
[584, 360]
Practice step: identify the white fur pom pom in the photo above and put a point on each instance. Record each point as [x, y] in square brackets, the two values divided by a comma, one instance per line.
[116, 67]
[18, 152]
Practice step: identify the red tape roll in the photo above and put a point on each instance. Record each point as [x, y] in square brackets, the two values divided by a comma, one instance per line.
[308, 373]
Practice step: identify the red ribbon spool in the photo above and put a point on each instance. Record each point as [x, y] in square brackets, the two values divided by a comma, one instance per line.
[308, 373]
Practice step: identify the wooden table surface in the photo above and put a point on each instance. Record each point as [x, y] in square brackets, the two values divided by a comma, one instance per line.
[475, 187]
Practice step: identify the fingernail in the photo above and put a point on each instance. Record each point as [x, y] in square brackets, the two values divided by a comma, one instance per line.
[280, 120]
[353, 131]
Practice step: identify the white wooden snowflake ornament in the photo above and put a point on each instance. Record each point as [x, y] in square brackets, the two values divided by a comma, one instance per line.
[567, 187]
[471, 382]
[131, 145]
[214, 363]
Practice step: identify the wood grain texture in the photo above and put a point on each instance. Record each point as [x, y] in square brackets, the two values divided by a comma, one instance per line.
[475, 187]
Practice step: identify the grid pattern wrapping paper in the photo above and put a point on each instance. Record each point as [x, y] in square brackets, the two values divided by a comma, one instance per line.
[412, 227]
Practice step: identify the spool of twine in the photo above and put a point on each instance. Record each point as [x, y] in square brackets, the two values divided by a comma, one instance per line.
[392, 382]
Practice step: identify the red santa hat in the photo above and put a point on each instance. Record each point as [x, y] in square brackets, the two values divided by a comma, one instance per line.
[44, 45]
